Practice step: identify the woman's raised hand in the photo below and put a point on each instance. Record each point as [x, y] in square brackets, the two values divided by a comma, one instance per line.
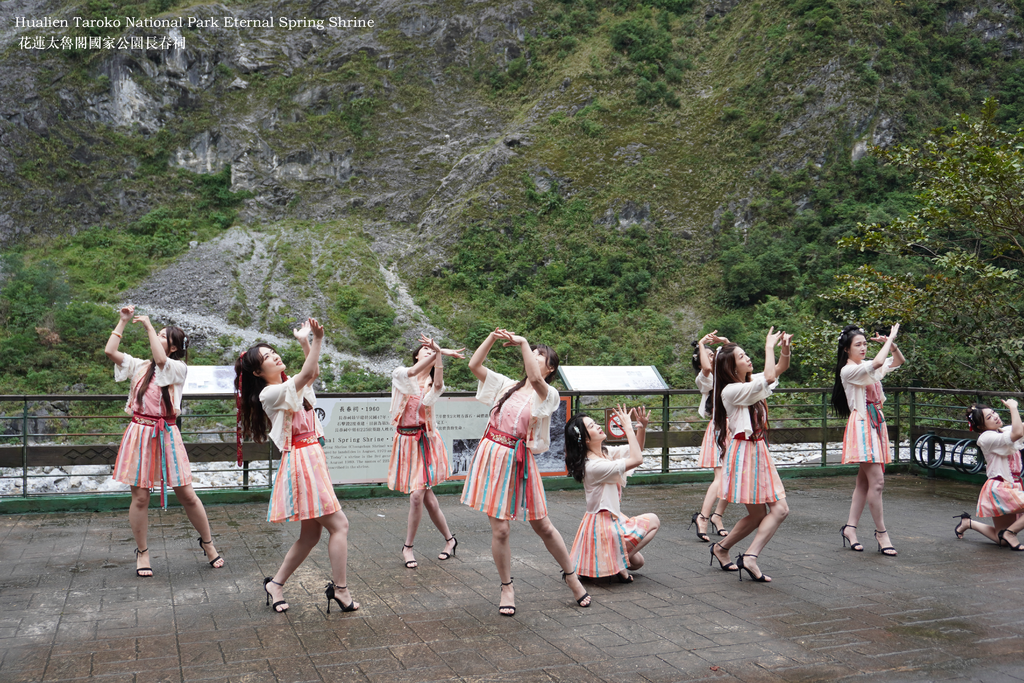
[454, 353]
[511, 338]
[127, 313]
[144, 319]
[316, 328]
[302, 332]
[1010, 403]
[641, 415]
[623, 413]
[771, 340]
[786, 339]
[881, 338]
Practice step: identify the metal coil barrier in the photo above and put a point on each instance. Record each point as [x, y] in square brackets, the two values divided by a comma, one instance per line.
[929, 451]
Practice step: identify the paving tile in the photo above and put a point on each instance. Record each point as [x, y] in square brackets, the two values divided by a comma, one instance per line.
[940, 611]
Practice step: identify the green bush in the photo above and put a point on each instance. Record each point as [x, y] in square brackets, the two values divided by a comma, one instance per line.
[641, 41]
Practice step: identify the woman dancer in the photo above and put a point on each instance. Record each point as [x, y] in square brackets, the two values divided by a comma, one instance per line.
[1002, 496]
[607, 543]
[269, 400]
[419, 459]
[709, 453]
[749, 475]
[151, 449]
[857, 393]
[503, 476]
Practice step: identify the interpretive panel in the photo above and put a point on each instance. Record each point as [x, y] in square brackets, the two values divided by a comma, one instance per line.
[612, 377]
[358, 436]
[210, 379]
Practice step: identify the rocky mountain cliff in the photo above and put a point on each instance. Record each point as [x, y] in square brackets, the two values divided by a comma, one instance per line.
[367, 163]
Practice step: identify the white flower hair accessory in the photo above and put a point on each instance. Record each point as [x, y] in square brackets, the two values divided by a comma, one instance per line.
[576, 430]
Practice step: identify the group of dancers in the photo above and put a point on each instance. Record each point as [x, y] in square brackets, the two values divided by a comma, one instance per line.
[503, 480]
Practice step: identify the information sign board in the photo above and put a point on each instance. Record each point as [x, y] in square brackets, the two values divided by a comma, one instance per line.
[358, 436]
[623, 378]
[210, 379]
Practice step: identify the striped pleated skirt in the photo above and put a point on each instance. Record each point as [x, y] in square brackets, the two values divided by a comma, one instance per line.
[999, 498]
[302, 488]
[495, 484]
[749, 475]
[709, 449]
[419, 460]
[139, 459]
[865, 440]
[604, 542]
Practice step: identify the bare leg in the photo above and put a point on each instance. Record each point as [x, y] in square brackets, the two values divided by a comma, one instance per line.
[415, 515]
[336, 524]
[710, 500]
[555, 544]
[309, 536]
[769, 524]
[876, 482]
[720, 506]
[743, 528]
[196, 514]
[138, 519]
[502, 555]
[987, 530]
[437, 517]
[860, 496]
[636, 560]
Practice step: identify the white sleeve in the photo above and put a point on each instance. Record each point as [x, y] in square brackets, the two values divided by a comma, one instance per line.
[430, 398]
[278, 397]
[402, 382]
[605, 471]
[173, 372]
[748, 393]
[546, 408]
[995, 442]
[127, 369]
[864, 374]
[705, 383]
[488, 391]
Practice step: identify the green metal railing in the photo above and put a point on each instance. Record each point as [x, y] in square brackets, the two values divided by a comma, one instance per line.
[41, 433]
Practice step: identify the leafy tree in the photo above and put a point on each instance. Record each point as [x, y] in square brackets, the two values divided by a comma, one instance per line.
[969, 233]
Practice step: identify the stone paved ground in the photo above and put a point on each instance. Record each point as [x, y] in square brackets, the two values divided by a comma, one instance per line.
[71, 607]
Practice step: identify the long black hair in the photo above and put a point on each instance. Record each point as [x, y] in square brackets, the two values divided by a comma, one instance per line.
[840, 406]
[695, 359]
[576, 440]
[726, 373]
[252, 421]
[552, 358]
[176, 338]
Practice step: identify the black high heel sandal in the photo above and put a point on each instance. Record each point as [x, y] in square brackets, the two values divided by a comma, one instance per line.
[857, 547]
[956, 529]
[506, 607]
[720, 531]
[279, 602]
[741, 566]
[579, 600]
[731, 567]
[213, 562]
[702, 535]
[410, 564]
[1019, 546]
[444, 556]
[885, 550]
[139, 570]
[350, 607]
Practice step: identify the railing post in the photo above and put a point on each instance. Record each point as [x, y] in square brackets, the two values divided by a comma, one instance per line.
[664, 432]
[245, 475]
[913, 415]
[824, 429]
[24, 448]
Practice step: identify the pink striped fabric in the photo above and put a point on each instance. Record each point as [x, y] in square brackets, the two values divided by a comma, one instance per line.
[749, 474]
[406, 469]
[604, 541]
[999, 498]
[862, 443]
[138, 457]
[709, 449]
[490, 484]
[302, 488]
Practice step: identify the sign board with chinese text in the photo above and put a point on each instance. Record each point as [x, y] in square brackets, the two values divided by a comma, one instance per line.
[210, 379]
[358, 436]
